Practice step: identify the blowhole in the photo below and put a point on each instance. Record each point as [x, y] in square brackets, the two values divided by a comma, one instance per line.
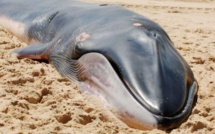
[154, 34]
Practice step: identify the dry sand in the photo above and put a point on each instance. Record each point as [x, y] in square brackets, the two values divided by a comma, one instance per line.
[34, 98]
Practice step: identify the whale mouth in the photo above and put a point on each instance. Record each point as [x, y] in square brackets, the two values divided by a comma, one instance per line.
[99, 77]
[171, 122]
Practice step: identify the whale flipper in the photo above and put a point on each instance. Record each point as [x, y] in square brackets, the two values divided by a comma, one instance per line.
[34, 52]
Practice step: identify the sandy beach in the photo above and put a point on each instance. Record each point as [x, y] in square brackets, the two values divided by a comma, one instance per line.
[34, 98]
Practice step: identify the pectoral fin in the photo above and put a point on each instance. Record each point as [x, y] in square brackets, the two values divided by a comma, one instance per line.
[35, 52]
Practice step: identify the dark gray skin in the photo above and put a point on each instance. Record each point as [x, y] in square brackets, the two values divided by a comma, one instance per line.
[136, 49]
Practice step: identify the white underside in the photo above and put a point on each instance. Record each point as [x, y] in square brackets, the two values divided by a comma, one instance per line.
[16, 28]
[101, 80]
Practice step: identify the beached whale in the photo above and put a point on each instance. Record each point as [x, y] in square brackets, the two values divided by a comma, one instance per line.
[124, 58]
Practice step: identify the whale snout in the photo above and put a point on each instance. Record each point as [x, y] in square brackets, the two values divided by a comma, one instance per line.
[161, 81]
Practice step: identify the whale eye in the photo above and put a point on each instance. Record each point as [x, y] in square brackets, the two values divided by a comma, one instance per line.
[51, 17]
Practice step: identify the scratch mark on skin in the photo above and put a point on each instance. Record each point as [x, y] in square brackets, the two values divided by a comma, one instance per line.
[137, 24]
[82, 37]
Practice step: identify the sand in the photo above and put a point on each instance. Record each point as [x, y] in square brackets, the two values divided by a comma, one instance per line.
[34, 98]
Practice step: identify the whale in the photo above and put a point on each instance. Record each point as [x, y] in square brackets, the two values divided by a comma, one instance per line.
[121, 57]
